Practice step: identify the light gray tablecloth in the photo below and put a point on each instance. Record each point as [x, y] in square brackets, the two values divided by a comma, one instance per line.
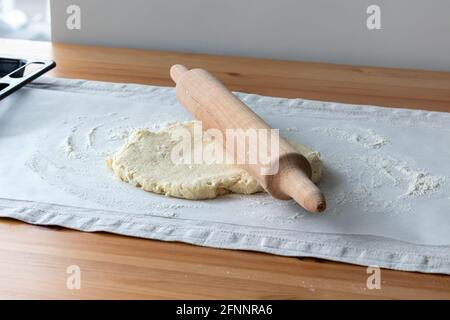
[378, 162]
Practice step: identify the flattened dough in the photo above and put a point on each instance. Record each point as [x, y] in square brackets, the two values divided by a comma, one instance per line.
[144, 161]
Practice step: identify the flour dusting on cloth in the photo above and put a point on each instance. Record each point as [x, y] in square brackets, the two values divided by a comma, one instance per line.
[385, 177]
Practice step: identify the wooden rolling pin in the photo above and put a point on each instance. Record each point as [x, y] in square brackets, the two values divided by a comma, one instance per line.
[209, 101]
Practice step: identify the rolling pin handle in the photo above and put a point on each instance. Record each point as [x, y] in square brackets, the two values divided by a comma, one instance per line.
[303, 191]
[176, 71]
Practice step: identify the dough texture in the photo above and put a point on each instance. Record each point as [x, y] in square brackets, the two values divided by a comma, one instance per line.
[145, 162]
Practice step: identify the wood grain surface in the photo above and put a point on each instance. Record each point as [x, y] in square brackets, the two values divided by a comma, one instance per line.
[34, 260]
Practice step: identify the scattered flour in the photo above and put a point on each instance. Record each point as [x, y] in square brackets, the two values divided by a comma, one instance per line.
[162, 125]
[367, 175]
[90, 135]
[256, 202]
[366, 138]
[417, 182]
[424, 183]
[68, 145]
[118, 134]
[292, 129]
[177, 206]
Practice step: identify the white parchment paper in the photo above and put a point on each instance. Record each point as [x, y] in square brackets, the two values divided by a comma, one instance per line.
[386, 179]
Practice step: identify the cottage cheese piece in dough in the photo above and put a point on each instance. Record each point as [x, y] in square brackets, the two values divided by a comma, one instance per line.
[145, 162]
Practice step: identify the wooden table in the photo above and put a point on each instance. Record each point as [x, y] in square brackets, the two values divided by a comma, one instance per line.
[33, 259]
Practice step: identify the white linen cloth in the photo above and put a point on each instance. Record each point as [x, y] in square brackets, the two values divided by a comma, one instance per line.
[386, 176]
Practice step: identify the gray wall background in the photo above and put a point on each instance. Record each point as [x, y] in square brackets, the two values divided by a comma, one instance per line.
[414, 34]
